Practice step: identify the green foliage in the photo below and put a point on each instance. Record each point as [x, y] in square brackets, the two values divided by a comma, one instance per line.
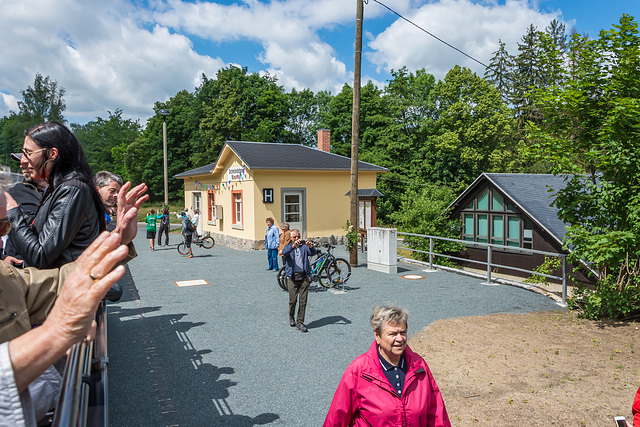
[607, 301]
[44, 101]
[351, 233]
[549, 267]
[424, 211]
[105, 142]
[589, 134]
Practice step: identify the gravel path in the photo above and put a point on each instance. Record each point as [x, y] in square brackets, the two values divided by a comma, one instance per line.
[224, 354]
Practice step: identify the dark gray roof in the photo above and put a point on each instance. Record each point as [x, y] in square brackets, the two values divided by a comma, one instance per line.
[367, 192]
[530, 193]
[266, 155]
[202, 170]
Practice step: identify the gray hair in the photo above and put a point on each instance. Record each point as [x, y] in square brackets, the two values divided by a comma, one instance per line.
[284, 223]
[104, 178]
[390, 314]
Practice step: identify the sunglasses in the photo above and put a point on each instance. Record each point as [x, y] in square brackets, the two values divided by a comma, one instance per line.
[5, 227]
[28, 154]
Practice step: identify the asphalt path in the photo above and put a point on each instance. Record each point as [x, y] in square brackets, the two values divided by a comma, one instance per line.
[224, 354]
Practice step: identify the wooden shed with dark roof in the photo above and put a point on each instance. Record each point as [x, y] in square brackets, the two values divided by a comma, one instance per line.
[512, 210]
[304, 186]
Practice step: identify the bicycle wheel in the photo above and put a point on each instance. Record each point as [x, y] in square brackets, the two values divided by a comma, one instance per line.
[324, 277]
[282, 279]
[339, 271]
[207, 242]
[182, 249]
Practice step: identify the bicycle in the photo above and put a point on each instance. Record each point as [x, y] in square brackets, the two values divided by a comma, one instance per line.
[205, 241]
[328, 270]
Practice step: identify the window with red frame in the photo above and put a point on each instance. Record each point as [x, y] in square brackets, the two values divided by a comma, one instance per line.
[211, 203]
[236, 201]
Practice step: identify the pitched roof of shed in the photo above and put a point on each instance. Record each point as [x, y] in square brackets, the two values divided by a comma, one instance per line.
[530, 193]
[276, 156]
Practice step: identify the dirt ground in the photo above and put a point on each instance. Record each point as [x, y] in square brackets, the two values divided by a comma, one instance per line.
[537, 369]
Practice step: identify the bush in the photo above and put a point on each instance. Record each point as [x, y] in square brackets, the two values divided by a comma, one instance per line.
[609, 299]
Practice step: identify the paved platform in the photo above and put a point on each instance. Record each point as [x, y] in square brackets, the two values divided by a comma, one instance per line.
[223, 353]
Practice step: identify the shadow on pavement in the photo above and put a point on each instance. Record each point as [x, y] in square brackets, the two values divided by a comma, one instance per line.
[329, 320]
[158, 377]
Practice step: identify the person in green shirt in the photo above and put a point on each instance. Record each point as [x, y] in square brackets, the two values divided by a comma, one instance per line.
[151, 221]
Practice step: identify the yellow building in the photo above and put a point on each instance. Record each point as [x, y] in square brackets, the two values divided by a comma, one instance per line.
[251, 181]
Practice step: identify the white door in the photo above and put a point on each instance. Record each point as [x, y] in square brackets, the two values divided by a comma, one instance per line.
[294, 210]
[196, 203]
[365, 214]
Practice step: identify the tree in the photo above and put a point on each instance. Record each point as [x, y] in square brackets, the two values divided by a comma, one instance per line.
[303, 116]
[145, 156]
[240, 106]
[589, 132]
[424, 210]
[500, 71]
[41, 103]
[473, 133]
[44, 101]
[105, 142]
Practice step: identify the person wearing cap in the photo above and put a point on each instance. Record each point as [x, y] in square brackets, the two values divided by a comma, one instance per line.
[27, 194]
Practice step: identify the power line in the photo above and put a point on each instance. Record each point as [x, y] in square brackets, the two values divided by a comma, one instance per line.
[432, 35]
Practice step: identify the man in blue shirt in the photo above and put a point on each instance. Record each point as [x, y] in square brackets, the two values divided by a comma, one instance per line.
[297, 269]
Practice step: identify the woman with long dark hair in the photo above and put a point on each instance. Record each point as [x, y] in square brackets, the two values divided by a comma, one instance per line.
[71, 213]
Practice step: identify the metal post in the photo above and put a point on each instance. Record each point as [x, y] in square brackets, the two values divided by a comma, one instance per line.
[564, 280]
[164, 149]
[430, 253]
[164, 113]
[488, 264]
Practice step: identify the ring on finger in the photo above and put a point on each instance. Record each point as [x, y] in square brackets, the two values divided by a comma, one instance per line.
[94, 278]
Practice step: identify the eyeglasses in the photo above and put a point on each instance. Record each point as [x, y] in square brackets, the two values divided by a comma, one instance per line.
[31, 153]
[5, 227]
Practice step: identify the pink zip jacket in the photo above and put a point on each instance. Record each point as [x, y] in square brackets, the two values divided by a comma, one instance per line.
[365, 398]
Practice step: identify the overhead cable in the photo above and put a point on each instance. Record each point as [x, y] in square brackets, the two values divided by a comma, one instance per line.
[432, 35]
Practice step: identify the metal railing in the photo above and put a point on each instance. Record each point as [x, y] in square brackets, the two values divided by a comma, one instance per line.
[84, 396]
[488, 263]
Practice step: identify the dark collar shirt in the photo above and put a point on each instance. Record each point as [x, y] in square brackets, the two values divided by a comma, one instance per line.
[395, 374]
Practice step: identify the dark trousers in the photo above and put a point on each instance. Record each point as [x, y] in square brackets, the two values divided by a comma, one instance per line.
[272, 257]
[163, 229]
[295, 289]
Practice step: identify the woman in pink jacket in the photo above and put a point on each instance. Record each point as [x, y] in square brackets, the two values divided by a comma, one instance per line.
[389, 385]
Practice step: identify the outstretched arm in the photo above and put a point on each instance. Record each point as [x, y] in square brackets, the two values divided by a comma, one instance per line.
[72, 315]
[129, 203]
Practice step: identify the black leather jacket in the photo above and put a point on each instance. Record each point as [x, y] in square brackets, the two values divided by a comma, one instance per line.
[28, 197]
[65, 225]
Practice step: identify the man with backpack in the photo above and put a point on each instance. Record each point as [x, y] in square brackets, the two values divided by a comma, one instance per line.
[187, 231]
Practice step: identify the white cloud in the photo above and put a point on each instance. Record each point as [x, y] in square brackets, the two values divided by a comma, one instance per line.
[100, 52]
[8, 102]
[473, 28]
[129, 54]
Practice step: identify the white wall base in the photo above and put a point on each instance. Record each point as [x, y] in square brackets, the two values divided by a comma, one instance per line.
[383, 268]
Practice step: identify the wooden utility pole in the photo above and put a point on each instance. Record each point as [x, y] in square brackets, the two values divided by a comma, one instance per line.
[355, 131]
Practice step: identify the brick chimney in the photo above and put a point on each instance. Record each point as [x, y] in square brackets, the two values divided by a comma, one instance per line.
[324, 140]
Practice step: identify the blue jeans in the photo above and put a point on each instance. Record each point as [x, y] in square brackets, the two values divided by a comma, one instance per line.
[272, 256]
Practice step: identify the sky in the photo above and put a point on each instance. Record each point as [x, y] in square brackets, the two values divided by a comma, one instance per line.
[127, 55]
